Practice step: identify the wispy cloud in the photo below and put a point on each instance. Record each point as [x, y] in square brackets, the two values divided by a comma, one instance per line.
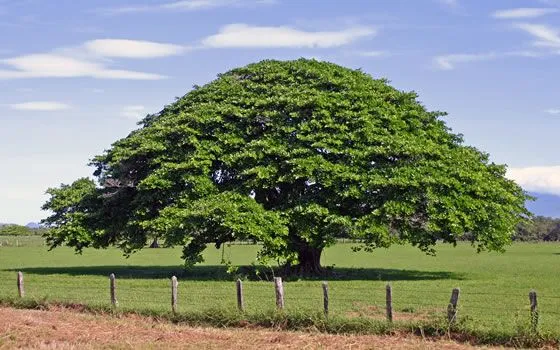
[553, 111]
[94, 58]
[546, 36]
[524, 12]
[133, 112]
[544, 179]
[186, 5]
[132, 48]
[246, 36]
[452, 6]
[43, 106]
[374, 53]
[88, 30]
[450, 3]
[58, 66]
[88, 60]
[550, 2]
[451, 61]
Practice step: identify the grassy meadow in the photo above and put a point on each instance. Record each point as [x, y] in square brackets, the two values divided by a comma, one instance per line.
[494, 287]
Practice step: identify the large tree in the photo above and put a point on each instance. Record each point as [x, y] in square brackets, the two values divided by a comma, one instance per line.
[293, 155]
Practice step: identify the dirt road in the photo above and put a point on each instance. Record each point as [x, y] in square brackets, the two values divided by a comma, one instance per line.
[66, 329]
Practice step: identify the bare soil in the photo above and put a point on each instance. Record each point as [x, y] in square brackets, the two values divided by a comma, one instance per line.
[60, 328]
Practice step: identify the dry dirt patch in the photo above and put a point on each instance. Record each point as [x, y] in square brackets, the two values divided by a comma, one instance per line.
[66, 329]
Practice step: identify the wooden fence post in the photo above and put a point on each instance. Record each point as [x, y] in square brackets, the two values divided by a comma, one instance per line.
[452, 307]
[174, 285]
[21, 291]
[326, 298]
[534, 310]
[279, 292]
[389, 302]
[240, 303]
[112, 289]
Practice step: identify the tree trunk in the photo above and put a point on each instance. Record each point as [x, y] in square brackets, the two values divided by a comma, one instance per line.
[155, 243]
[309, 261]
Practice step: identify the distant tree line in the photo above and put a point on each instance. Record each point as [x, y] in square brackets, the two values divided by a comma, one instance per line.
[19, 230]
[541, 228]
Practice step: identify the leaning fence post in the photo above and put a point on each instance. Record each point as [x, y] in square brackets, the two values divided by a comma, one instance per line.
[452, 307]
[326, 298]
[240, 303]
[389, 302]
[534, 310]
[174, 285]
[112, 289]
[21, 291]
[279, 292]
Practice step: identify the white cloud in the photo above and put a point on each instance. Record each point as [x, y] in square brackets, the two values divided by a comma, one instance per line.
[553, 111]
[452, 6]
[97, 91]
[524, 12]
[546, 36]
[525, 53]
[49, 65]
[133, 112]
[544, 179]
[131, 48]
[88, 30]
[43, 106]
[449, 3]
[93, 58]
[246, 36]
[372, 53]
[126, 74]
[186, 5]
[58, 66]
[88, 60]
[449, 62]
[193, 5]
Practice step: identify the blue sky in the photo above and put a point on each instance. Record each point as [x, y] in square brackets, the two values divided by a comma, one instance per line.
[75, 76]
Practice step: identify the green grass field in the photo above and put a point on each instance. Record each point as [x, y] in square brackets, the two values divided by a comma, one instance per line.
[494, 286]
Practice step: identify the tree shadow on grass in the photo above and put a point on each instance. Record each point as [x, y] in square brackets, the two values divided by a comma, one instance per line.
[219, 273]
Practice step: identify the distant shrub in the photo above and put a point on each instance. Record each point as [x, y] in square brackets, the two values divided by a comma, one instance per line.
[540, 228]
[18, 230]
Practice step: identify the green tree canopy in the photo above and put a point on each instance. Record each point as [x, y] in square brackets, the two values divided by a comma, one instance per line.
[291, 154]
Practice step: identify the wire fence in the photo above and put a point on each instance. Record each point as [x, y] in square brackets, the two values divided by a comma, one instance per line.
[392, 303]
[22, 241]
